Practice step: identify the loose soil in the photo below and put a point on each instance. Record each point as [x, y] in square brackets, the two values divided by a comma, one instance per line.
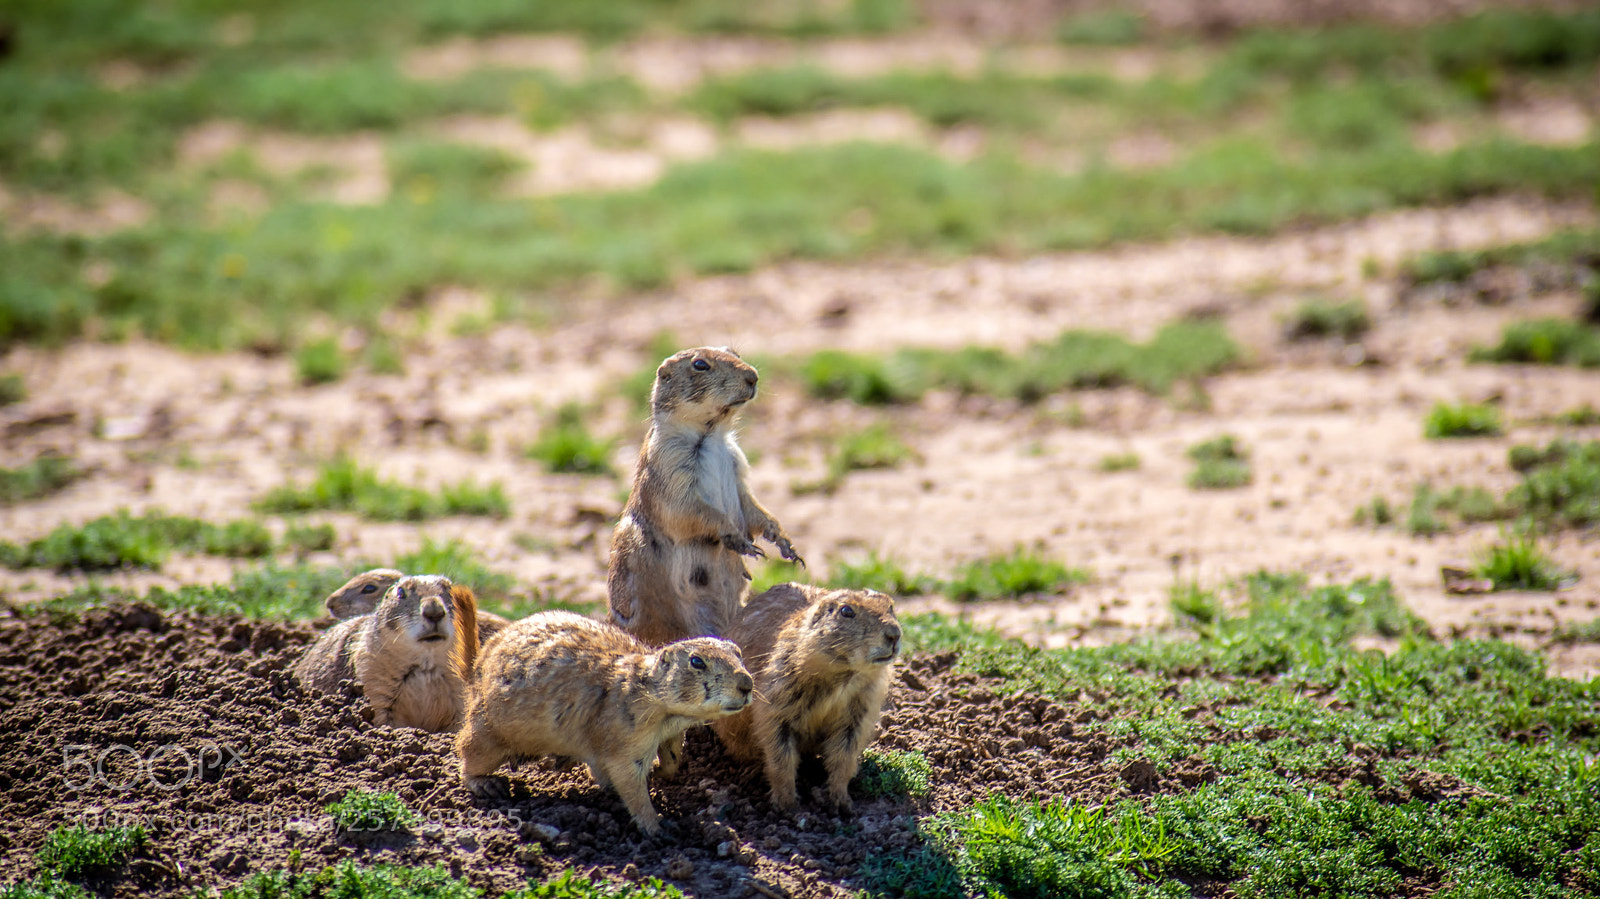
[238, 762]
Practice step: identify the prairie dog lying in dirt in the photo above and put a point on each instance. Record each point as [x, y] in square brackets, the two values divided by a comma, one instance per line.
[560, 684]
[822, 660]
[676, 568]
[409, 655]
[361, 594]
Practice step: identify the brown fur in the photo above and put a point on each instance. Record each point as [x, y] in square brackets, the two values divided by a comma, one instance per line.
[822, 661]
[360, 595]
[407, 656]
[676, 558]
[560, 684]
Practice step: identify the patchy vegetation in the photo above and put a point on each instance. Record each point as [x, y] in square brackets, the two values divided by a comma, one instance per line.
[1446, 421]
[43, 476]
[343, 485]
[1545, 341]
[1019, 574]
[1075, 360]
[1220, 463]
[365, 810]
[894, 773]
[119, 540]
[77, 852]
[1519, 564]
[1318, 318]
[565, 445]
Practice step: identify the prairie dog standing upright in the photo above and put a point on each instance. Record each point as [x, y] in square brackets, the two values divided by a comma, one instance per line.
[821, 660]
[410, 656]
[676, 557]
[556, 683]
[361, 594]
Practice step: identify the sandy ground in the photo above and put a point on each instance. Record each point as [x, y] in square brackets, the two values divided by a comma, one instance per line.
[205, 435]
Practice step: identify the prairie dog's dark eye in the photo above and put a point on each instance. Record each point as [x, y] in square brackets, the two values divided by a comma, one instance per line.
[846, 612]
[701, 365]
[370, 588]
[399, 593]
[697, 663]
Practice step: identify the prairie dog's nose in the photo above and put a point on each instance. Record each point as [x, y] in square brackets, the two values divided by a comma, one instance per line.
[750, 377]
[891, 637]
[433, 610]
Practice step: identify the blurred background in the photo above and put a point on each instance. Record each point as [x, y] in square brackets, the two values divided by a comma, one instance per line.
[1069, 314]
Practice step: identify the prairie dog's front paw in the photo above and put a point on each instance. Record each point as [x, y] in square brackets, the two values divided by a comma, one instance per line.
[741, 544]
[786, 549]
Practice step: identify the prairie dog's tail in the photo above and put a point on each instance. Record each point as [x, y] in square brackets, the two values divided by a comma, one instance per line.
[464, 655]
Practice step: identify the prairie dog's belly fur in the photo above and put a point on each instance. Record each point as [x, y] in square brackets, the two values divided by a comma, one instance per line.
[677, 555]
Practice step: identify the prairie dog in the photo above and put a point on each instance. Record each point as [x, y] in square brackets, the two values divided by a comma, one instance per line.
[361, 594]
[822, 660]
[557, 683]
[410, 655]
[676, 557]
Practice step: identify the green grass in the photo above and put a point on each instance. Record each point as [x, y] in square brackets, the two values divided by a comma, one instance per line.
[1519, 564]
[1545, 341]
[1104, 28]
[343, 485]
[1422, 519]
[1580, 417]
[1446, 421]
[37, 479]
[769, 572]
[1128, 461]
[456, 560]
[348, 880]
[873, 447]
[1021, 573]
[1076, 359]
[121, 540]
[303, 539]
[77, 852]
[367, 810]
[1377, 513]
[1194, 605]
[894, 774]
[1272, 698]
[45, 886]
[1560, 483]
[271, 592]
[12, 389]
[320, 362]
[1221, 463]
[425, 168]
[184, 282]
[1317, 318]
[565, 445]
[879, 573]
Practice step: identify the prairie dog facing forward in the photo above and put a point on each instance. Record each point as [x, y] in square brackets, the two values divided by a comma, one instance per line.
[676, 557]
[822, 661]
[410, 655]
[361, 594]
[557, 683]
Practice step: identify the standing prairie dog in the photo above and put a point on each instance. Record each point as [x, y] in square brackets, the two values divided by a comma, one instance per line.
[410, 656]
[822, 660]
[560, 684]
[360, 595]
[676, 557]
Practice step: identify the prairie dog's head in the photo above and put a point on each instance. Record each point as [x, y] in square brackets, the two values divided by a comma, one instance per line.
[705, 385]
[855, 628]
[703, 677]
[362, 593]
[419, 607]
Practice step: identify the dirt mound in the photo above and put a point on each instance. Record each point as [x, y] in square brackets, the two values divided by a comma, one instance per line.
[194, 727]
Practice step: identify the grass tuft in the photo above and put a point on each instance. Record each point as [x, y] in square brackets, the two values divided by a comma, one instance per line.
[303, 539]
[1128, 461]
[365, 810]
[565, 445]
[894, 774]
[1008, 577]
[1560, 483]
[320, 362]
[37, 479]
[1519, 564]
[1447, 421]
[881, 574]
[1323, 318]
[78, 852]
[1545, 341]
[1377, 513]
[1221, 463]
[343, 485]
[119, 540]
[12, 389]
